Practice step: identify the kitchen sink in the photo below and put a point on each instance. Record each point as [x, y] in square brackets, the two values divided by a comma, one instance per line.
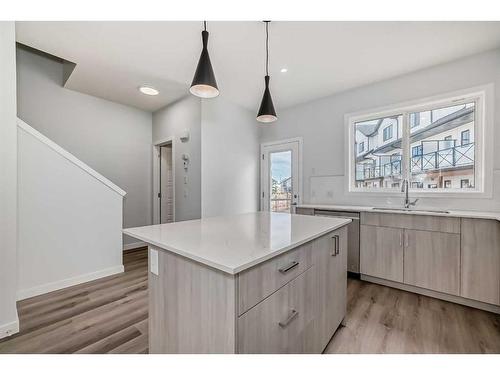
[409, 210]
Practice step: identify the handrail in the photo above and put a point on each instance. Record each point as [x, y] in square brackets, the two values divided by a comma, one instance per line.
[70, 157]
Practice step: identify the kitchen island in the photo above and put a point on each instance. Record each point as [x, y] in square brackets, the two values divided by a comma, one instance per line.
[252, 283]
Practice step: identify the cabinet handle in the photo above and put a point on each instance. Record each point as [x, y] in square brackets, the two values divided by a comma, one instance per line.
[407, 239]
[291, 317]
[285, 269]
[336, 242]
[401, 238]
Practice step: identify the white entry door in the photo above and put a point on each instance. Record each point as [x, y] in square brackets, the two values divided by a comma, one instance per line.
[280, 175]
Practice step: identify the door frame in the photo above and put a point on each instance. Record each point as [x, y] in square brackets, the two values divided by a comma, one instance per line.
[299, 140]
[156, 178]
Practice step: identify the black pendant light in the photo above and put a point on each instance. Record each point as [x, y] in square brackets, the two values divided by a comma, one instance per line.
[266, 110]
[204, 84]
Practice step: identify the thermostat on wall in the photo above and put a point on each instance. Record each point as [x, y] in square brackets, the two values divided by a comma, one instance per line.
[184, 136]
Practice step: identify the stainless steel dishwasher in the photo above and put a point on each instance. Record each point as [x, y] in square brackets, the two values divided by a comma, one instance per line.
[352, 236]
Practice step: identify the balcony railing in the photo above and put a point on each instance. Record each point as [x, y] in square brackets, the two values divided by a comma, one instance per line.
[452, 157]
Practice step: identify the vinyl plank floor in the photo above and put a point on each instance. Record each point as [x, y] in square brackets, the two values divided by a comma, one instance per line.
[110, 315]
[380, 319]
[100, 316]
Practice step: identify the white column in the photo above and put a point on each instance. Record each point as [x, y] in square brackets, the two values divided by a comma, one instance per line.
[9, 323]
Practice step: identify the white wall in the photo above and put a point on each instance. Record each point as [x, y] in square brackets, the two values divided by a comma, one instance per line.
[229, 159]
[171, 121]
[321, 124]
[69, 222]
[8, 181]
[113, 139]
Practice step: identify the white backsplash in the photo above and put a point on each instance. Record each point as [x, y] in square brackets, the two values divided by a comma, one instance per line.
[333, 190]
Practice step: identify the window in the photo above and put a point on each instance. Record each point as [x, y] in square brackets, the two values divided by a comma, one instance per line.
[388, 133]
[380, 166]
[431, 145]
[465, 137]
[416, 150]
[414, 119]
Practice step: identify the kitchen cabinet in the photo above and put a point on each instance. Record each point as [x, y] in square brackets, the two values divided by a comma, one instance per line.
[481, 260]
[330, 254]
[287, 295]
[284, 322]
[382, 252]
[432, 260]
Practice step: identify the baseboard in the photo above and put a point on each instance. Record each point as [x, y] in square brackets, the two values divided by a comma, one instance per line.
[431, 293]
[134, 245]
[9, 328]
[50, 287]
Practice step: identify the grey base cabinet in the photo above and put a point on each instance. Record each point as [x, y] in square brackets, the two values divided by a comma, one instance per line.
[292, 303]
[432, 260]
[331, 266]
[382, 252]
[481, 260]
[455, 256]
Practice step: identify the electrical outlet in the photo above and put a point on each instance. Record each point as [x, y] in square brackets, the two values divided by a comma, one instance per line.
[153, 261]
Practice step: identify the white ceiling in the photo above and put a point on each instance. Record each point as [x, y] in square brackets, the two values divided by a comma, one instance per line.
[114, 58]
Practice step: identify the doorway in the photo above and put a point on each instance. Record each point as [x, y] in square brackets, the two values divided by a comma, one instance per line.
[166, 185]
[281, 181]
[164, 182]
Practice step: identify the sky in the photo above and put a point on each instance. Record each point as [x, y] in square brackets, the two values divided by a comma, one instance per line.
[281, 165]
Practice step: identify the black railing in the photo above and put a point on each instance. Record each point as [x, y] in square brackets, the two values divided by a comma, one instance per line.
[452, 157]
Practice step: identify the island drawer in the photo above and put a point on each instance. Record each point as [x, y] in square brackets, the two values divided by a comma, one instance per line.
[284, 322]
[260, 281]
[412, 221]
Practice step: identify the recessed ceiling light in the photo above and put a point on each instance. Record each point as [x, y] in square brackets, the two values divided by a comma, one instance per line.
[284, 70]
[148, 90]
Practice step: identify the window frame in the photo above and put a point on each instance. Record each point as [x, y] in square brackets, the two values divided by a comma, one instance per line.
[388, 130]
[462, 137]
[482, 96]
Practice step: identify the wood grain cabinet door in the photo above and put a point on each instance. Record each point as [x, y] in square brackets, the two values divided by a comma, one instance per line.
[432, 260]
[283, 322]
[330, 260]
[381, 252]
[481, 260]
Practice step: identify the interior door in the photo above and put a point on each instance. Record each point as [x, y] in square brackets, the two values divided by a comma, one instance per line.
[166, 185]
[280, 176]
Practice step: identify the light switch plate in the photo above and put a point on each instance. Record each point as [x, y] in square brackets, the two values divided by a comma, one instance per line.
[153, 259]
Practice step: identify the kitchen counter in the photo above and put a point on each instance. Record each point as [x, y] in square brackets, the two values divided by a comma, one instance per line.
[414, 211]
[260, 282]
[235, 243]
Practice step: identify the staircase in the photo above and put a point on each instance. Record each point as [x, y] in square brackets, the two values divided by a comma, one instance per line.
[69, 218]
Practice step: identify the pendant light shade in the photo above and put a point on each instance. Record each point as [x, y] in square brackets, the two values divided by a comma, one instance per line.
[204, 84]
[266, 111]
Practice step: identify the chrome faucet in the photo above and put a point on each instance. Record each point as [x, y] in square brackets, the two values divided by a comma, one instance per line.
[404, 189]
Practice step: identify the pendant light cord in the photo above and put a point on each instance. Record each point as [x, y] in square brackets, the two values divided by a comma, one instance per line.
[205, 25]
[267, 47]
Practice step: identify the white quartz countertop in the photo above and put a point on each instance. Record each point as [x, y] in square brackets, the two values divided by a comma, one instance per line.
[235, 243]
[414, 211]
